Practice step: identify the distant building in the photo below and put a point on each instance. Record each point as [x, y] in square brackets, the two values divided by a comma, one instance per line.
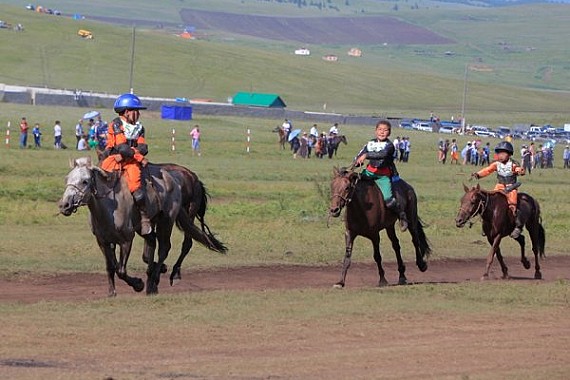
[330, 58]
[355, 52]
[302, 51]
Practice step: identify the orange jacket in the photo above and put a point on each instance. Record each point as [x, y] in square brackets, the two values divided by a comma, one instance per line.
[507, 173]
[130, 149]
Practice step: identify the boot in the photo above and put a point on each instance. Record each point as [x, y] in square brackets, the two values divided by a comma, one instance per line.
[518, 226]
[393, 205]
[146, 225]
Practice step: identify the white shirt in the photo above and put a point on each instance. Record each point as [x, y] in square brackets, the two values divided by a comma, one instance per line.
[57, 130]
[82, 145]
[334, 130]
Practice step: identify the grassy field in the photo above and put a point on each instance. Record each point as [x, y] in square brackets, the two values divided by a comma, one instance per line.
[268, 207]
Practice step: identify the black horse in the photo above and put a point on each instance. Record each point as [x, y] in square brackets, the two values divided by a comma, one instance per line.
[333, 142]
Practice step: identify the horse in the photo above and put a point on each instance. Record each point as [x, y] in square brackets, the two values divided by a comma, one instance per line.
[114, 218]
[333, 143]
[282, 136]
[366, 215]
[498, 222]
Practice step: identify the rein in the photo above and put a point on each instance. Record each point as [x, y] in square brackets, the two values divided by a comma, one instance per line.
[481, 207]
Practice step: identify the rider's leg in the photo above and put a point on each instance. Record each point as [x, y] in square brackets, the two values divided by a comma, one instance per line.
[512, 198]
[133, 173]
[385, 184]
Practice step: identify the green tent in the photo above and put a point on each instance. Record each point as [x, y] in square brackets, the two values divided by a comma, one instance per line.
[258, 100]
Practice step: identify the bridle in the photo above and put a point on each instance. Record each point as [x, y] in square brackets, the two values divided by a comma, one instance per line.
[481, 207]
[348, 198]
[92, 189]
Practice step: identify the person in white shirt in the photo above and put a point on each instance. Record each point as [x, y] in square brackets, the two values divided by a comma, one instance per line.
[314, 131]
[57, 134]
[82, 144]
[334, 129]
[79, 131]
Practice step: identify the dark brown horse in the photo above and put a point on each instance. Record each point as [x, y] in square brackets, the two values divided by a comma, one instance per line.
[367, 215]
[498, 222]
[333, 143]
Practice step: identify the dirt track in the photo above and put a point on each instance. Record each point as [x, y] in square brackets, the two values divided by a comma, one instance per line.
[85, 286]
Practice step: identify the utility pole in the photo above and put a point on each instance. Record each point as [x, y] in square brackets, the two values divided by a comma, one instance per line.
[464, 97]
[132, 60]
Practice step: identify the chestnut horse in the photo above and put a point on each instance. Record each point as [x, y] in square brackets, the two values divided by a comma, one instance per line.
[282, 136]
[367, 215]
[498, 222]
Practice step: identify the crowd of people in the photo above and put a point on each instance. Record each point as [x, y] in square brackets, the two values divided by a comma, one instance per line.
[91, 136]
[304, 143]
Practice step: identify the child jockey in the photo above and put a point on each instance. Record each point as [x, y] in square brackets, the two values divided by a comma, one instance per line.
[126, 150]
[381, 168]
[507, 172]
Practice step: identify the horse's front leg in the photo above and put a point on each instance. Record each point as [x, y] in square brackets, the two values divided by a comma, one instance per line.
[391, 232]
[134, 282]
[504, 268]
[491, 254]
[349, 240]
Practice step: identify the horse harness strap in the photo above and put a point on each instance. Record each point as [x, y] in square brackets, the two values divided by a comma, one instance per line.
[481, 207]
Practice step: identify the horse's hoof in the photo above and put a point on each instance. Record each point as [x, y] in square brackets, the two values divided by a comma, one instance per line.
[403, 281]
[163, 268]
[338, 285]
[382, 283]
[422, 266]
[526, 264]
[138, 286]
[537, 276]
[506, 277]
[485, 277]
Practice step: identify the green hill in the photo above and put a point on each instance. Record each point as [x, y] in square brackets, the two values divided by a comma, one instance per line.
[387, 79]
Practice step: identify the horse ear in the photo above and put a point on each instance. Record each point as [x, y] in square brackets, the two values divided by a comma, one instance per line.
[335, 171]
[465, 188]
[72, 163]
[478, 187]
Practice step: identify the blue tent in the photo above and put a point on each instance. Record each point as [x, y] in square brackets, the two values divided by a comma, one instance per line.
[176, 112]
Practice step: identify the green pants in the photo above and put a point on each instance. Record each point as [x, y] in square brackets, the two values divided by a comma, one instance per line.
[382, 181]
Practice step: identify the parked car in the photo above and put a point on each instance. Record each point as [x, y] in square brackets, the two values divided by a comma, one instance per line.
[423, 126]
[406, 124]
[446, 129]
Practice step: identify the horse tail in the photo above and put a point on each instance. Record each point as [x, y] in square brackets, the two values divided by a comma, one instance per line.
[203, 236]
[541, 232]
[424, 246]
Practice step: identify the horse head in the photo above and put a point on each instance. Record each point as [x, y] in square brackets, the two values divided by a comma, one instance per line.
[342, 186]
[472, 204]
[79, 185]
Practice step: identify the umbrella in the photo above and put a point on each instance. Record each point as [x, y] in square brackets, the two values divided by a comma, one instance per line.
[91, 115]
[294, 133]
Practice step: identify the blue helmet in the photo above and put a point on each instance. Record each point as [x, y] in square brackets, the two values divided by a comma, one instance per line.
[128, 102]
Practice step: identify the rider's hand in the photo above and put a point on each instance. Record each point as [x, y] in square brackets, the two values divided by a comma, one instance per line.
[475, 175]
[360, 160]
[144, 162]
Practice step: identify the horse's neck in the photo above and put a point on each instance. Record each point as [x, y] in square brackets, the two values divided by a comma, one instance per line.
[494, 199]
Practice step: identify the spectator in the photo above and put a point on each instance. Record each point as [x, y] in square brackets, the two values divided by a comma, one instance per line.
[486, 155]
[101, 129]
[195, 135]
[92, 142]
[466, 153]
[526, 159]
[401, 148]
[295, 145]
[37, 136]
[57, 135]
[407, 147]
[454, 152]
[566, 157]
[396, 143]
[78, 132]
[83, 144]
[304, 146]
[24, 133]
